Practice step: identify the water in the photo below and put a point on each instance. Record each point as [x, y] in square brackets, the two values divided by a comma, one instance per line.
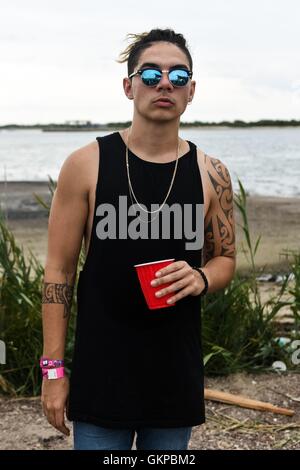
[267, 160]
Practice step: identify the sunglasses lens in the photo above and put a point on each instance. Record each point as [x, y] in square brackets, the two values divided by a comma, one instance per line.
[179, 77]
[151, 77]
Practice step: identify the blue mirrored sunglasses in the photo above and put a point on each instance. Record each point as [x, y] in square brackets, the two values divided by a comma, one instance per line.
[151, 77]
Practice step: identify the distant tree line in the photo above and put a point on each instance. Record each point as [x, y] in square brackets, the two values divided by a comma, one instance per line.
[88, 125]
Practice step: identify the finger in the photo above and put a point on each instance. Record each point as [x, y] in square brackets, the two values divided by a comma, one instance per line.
[171, 277]
[60, 422]
[180, 295]
[50, 415]
[176, 286]
[170, 268]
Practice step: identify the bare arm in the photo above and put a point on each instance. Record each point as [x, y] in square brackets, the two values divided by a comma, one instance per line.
[68, 215]
[219, 228]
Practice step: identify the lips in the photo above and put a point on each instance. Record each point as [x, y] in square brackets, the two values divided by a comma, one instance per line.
[164, 100]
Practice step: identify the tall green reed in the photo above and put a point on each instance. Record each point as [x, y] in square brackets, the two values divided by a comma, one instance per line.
[239, 332]
[20, 307]
[21, 279]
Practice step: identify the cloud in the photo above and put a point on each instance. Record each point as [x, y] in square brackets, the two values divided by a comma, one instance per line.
[61, 56]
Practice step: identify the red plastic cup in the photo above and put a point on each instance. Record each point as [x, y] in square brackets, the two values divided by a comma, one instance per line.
[146, 274]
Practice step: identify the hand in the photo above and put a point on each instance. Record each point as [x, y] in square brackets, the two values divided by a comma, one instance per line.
[55, 393]
[185, 280]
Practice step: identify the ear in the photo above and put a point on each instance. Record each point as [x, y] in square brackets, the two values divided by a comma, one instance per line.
[192, 90]
[127, 86]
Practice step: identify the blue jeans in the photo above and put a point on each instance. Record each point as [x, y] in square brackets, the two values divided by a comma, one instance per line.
[90, 437]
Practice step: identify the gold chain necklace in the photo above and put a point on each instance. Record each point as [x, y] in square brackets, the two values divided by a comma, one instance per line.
[140, 218]
[130, 184]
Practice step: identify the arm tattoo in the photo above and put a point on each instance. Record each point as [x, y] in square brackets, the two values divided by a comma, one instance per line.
[58, 294]
[219, 226]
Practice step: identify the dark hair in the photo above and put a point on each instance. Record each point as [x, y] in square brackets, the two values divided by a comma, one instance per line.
[142, 41]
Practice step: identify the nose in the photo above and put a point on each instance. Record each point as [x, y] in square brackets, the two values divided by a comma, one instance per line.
[164, 82]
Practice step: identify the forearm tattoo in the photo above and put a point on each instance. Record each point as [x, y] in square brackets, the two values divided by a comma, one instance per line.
[219, 226]
[58, 294]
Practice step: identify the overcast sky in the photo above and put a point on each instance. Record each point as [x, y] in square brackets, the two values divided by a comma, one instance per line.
[57, 58]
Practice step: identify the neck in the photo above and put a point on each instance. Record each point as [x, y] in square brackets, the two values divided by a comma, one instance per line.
[154, 140]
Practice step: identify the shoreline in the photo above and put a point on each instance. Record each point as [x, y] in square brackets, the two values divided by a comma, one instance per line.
[275, 218]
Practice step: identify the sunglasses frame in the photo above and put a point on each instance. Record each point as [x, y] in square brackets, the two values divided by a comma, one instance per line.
[140, 71]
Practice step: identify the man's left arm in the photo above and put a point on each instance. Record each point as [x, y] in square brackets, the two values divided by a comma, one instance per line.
[219, 254]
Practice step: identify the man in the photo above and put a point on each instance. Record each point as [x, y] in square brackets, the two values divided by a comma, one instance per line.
[136, 370]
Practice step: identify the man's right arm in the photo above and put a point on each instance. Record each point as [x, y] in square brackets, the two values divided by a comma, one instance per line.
[67, 220]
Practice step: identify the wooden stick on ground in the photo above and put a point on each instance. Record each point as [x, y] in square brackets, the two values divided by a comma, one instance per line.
[239, 400]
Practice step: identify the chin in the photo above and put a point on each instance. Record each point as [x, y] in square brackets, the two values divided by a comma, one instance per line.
[164, 115]
[163, 118]
[160, 115]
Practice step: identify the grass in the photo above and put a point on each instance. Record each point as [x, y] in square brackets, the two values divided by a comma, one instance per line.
[248, 427]
[239, 332]
[21, 279]
[20, 307]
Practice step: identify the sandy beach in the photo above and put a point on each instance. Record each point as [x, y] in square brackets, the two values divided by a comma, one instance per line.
[276, 219]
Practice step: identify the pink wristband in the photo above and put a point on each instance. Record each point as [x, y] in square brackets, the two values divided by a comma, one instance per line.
[57, 373]
[46, 363]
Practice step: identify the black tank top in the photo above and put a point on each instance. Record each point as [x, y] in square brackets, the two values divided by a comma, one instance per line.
[132, 366]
